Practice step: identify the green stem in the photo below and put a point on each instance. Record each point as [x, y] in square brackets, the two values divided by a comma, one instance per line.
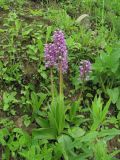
[52, 83]
[60, 79]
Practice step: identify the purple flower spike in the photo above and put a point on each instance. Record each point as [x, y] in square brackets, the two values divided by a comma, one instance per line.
[50, 55]
[85, 69]
[61, 49]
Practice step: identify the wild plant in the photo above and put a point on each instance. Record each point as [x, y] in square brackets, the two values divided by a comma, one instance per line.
[56, 56]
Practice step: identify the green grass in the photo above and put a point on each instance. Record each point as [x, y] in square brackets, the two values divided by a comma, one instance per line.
[83, 125]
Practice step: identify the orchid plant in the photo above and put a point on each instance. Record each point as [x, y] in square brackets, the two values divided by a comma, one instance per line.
[56, 57]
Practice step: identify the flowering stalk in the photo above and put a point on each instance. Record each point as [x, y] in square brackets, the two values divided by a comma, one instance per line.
[60, 79]
[61, 56]
[56, 56]
[52, 83]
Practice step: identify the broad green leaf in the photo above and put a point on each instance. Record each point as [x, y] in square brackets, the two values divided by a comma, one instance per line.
[114, 94]
[43, 122]
[44, 133]
[109, 132]
[76, 132]
[67, 147]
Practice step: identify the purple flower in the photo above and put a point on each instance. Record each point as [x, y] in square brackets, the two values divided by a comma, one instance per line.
[50, 55]
[61, 49]
[85, 69]
[56, 52]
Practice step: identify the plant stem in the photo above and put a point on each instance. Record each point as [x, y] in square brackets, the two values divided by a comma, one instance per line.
[60, 79]
[52, 83]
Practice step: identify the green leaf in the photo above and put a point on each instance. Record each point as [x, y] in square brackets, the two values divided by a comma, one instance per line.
[74, 108]
[67, 147]
[44, 133]
[111, 132]
[57, 114]
[8, 98]
[118, 103]
[43, 122]
[89, 137]
[105, 110]
[37, 101]
[49, 30]
[27, 120]
[114, 94]
[100, 151]
[40, 47]
[76, 132]
[3, 132]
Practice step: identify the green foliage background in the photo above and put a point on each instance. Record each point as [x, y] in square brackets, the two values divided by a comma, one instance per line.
[30, 128]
